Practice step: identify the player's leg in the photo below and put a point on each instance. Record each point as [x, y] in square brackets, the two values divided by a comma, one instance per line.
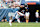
[27, 19]
[18, 20]
[17, 17]
[37, 20]
[10, 22]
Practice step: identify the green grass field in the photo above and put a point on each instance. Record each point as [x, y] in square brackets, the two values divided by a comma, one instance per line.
[31, 24]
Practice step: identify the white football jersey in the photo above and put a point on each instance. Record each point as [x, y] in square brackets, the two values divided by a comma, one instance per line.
[37, 14]
[27, 13]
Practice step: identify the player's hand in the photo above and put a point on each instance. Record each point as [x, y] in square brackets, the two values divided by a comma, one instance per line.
[39, 17]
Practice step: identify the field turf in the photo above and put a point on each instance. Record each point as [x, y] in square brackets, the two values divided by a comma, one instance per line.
[31, 24]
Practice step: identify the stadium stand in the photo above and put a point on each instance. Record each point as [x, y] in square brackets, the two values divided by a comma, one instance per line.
[4, 12]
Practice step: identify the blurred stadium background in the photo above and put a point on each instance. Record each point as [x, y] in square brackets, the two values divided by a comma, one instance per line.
[6, 6]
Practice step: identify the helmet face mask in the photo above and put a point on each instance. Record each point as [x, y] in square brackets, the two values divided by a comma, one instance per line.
[25, 7]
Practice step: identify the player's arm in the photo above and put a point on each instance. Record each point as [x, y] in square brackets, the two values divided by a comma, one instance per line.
[20, 14]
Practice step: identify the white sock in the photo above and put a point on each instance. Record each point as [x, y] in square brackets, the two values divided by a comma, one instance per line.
[18, 20]
[36, 21]
[10, 23]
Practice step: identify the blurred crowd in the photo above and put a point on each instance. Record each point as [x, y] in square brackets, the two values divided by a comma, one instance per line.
[11, 4]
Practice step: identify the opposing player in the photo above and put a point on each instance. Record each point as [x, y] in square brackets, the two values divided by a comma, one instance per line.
[37, 15]
[10, 21]
[18, 15]
[27, 14]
